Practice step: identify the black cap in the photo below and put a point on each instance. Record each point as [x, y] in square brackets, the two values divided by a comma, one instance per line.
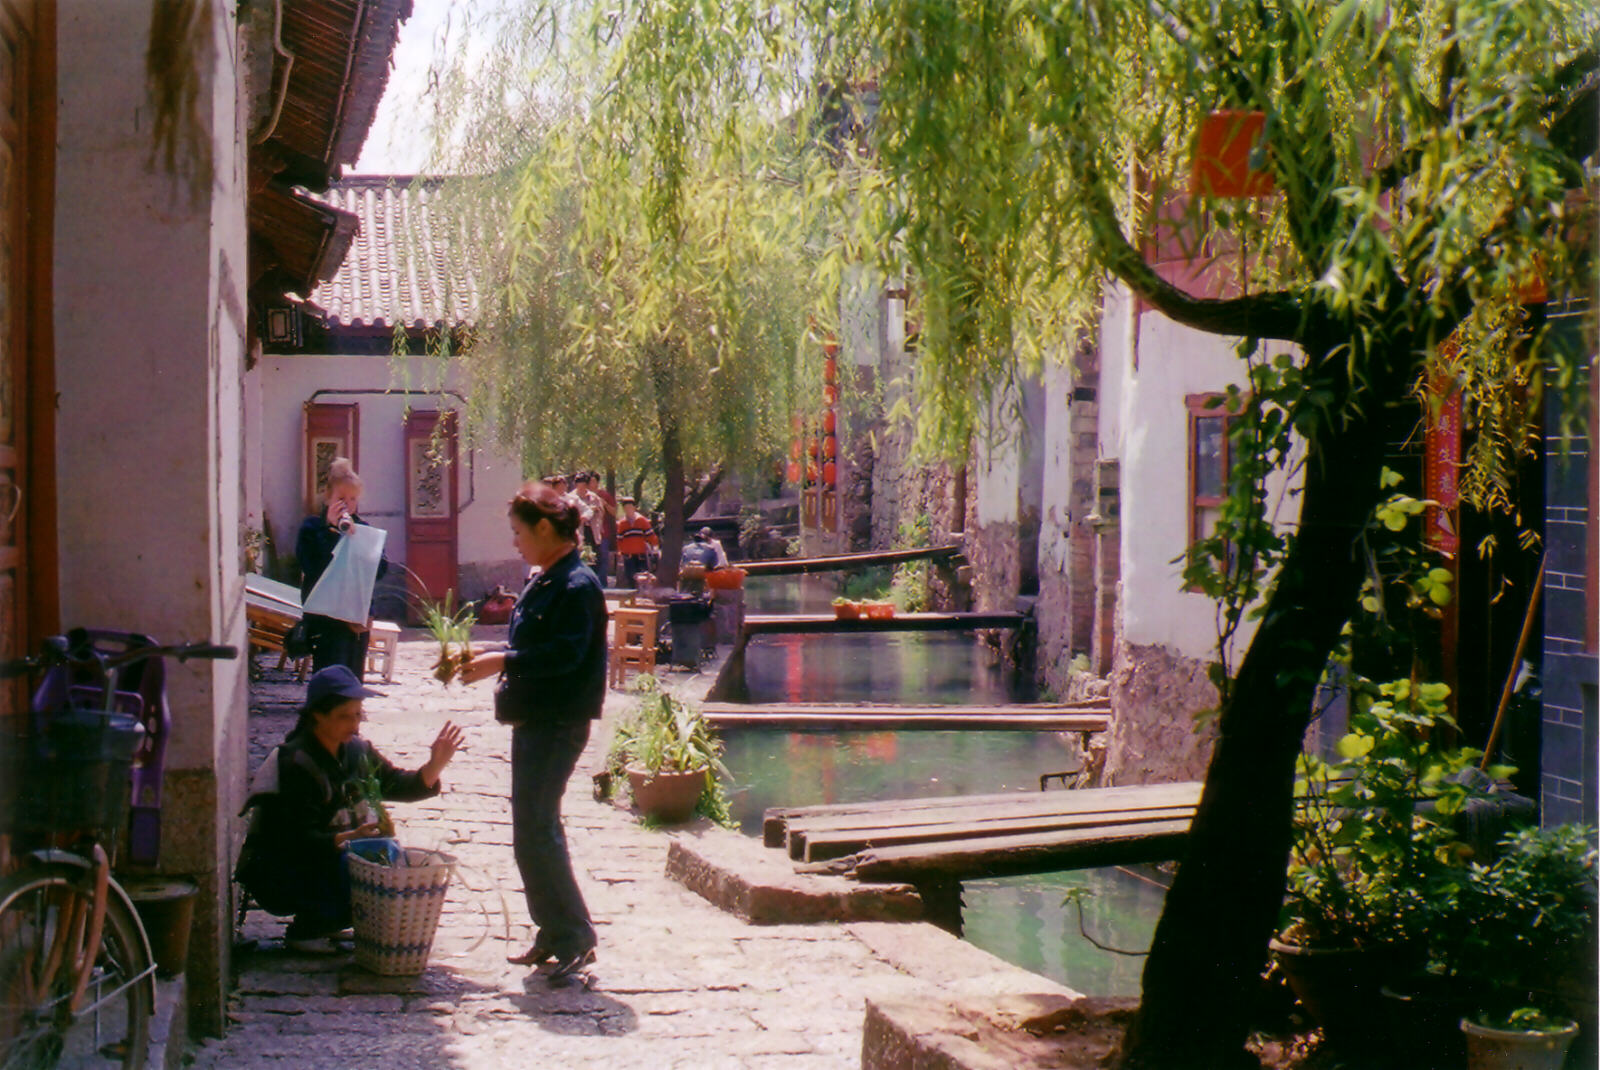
[337, 680]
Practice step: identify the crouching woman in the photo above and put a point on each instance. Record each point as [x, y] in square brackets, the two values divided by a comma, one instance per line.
[311, 800]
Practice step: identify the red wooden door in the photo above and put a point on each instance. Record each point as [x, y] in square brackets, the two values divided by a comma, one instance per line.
[430, 465]
[24, 310]
[330, 431]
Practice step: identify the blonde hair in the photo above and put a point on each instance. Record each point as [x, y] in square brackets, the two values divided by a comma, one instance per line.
[340, 470]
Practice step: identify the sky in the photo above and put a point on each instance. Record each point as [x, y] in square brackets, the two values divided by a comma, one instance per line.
[398, 142]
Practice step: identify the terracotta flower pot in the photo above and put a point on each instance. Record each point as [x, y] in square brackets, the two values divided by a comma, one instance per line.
[846, 611]
[1341, 987]
[1505, 1049]
[878, 610]
[669, 796]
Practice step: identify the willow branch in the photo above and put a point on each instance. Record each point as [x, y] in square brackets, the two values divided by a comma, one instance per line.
[1279, 315]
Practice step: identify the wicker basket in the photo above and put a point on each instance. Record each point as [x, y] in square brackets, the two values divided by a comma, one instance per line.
[396, 909]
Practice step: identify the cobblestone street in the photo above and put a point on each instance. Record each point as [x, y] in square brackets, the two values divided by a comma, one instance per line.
[677, 982]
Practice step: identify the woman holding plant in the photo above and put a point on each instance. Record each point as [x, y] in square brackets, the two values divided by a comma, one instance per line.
[552, 685]
[320, 790]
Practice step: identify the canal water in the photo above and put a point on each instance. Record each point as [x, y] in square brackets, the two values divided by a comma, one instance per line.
[1020, 919]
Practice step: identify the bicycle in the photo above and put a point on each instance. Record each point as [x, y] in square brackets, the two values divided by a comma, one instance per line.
[77, 979]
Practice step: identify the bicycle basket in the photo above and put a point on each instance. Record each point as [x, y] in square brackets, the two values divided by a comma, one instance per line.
[74, 772]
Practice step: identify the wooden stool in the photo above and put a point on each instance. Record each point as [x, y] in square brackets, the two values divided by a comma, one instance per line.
[633, 643]
[382, 644]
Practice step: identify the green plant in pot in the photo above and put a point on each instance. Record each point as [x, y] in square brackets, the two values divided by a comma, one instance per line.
[1374, 855]
[1520, 923]
[670, 757]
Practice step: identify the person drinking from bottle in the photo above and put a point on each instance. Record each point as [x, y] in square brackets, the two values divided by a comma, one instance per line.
[316, 795]
[333, 642]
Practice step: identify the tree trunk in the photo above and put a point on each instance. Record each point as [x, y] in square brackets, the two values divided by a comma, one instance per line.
[696, 498]
[672, 508]
[1201, 979]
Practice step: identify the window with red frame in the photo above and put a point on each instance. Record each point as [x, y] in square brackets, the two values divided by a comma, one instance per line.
[1209, 461]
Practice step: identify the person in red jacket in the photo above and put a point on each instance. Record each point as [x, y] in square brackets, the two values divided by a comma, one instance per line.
[636, 538]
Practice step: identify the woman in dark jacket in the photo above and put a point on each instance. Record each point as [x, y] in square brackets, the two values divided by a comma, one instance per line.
[311, 803]
[552, 685]
[333, 642]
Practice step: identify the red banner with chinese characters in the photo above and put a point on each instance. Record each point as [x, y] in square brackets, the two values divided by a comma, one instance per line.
[1441, 465]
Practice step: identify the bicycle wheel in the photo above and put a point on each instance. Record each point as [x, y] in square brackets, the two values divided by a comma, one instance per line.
[43, 912]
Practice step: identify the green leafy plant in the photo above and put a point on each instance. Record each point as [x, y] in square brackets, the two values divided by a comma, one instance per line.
[452, 629]
[1524, 1020]
[1519, 920]
[1376, 857]
[665, 733]
[370, 789]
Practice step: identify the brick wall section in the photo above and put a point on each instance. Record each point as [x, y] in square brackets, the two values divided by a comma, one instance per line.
[1568, 742]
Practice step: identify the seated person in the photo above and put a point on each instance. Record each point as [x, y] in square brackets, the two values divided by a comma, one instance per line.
[704, 551]
[310, 800]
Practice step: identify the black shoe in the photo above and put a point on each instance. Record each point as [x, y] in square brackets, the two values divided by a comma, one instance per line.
[567, 967]
[532, 957]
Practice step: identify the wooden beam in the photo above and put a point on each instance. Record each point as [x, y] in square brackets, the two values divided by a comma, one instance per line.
[817, 623]
[817, 846]
[795, 566]
[774, 827]
[827, 717]
[998, 856]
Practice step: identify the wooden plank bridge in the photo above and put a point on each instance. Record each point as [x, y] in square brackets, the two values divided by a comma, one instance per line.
[820, 623]
[944, 841]
[795, 566]
[847, 717]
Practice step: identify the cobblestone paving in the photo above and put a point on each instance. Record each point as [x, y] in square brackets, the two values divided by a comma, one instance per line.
[678, 983]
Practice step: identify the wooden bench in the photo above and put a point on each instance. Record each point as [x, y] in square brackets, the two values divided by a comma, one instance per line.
[271, 610]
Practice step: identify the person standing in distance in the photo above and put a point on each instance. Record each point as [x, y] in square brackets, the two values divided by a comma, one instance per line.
[333, 642]
[551, 688]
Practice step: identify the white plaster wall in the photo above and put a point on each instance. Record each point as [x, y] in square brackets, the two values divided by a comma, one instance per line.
[487, 480]
[149, 325]
[1055, 514]
[1149, 433]
[999, 449]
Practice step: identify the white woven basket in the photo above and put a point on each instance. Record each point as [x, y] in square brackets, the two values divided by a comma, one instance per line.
[395, 909]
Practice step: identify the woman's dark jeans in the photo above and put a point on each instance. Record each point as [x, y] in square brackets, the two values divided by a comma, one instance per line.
[542, 760]
[333, 643]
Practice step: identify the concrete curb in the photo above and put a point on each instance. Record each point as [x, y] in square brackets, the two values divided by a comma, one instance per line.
[736, 873]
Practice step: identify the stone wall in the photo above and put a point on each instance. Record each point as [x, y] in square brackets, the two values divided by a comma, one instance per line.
[1154, 696]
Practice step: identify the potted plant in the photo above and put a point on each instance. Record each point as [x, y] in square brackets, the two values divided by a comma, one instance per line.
[671, 757]
[1520, 921]
[1373, 855]
[846, 609]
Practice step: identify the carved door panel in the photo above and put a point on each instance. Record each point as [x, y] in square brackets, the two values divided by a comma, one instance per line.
[15, 249]
[430, 466]
[330, 431]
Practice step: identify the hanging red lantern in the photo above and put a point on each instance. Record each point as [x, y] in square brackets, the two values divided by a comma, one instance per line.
[811, 472]
[794, 450]
[812, 447]
[830, 447]
[830, 394]
[829, 472]
[830, 370]
[793, 471]
[830, 422]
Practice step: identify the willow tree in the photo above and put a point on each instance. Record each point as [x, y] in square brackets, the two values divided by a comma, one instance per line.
[652, 262]
[1018, 154]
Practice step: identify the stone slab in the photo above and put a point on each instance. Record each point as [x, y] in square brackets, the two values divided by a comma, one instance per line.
[740, 876]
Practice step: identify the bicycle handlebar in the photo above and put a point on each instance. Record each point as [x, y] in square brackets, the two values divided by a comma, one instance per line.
[77, 648]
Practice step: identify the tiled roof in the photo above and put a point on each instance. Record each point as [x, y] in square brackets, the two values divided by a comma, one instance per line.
[407, 264]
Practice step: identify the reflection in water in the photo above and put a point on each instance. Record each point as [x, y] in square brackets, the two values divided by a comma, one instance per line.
[1020, 919]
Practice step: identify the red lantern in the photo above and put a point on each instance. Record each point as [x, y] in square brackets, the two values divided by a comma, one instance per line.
[811, 472]
[830, 394]
[794, 423]
[830, 370]
[830, 348]
[812, 447]
[793, 471]
[830, 447]
[794, 450]
[830, 422]
[829, 472]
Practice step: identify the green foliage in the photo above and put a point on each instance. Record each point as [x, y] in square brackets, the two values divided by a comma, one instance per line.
[1522, 918]
[909, 590]
[370, 789]
[1524, 1020]
[1375, 857]
[451, 628]
[666, 733]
